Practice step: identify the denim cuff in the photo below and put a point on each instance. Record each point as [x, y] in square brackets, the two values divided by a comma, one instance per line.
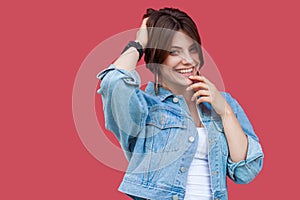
[254, 152]
[130, 77]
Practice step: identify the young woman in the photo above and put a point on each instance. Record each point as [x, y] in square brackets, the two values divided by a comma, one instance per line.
[181, 135]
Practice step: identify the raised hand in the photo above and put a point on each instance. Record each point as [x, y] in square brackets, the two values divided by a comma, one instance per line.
[142, 34]
[206, 91]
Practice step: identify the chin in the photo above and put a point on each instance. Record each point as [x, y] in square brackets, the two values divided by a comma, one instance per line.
[185, 78]
[186, 82]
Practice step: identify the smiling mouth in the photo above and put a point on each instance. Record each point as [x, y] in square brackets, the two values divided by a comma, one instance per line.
[185, 71]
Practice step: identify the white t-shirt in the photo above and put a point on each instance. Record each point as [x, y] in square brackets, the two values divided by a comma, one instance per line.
[198, 185]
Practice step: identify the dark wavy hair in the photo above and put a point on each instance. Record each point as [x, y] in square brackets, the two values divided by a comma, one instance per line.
[162, 25]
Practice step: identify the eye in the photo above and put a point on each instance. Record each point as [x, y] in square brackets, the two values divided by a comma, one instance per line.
[194, 49]
[174, 52]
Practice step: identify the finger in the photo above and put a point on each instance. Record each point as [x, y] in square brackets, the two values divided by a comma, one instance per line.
[197, 86]
[200, 78]
[144, 23]
[197, 78]
[200, 93]
[203, 99]
[207, 81]
[142, 34]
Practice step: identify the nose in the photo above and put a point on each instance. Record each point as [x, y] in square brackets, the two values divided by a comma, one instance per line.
[187, 59]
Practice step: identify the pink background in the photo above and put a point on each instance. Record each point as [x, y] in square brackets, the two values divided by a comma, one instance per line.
[254, 43]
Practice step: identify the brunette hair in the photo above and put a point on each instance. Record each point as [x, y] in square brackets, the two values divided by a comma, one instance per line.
[162, 25]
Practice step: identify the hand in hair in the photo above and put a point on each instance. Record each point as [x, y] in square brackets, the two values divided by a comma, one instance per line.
[142, 34]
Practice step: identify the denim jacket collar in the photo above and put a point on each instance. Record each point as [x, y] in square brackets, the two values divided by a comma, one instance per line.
[206, 111]
[162, 93]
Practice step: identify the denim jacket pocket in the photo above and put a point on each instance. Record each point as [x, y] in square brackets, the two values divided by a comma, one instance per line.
[163, 126]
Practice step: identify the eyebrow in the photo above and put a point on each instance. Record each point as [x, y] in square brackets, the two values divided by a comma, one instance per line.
[178, 47]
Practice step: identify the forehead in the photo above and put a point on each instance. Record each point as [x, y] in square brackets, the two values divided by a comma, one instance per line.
[181, 39]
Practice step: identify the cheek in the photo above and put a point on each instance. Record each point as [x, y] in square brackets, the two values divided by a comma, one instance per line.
[196, 57]
[172, 61]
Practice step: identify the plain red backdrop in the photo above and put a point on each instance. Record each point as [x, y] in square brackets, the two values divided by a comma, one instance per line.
[254, 43]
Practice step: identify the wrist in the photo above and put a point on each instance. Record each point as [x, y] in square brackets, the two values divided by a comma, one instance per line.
[137, 46]
[228, 112]
[139, 42]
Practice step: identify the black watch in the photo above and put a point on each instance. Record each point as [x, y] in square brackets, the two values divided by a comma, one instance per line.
[136, 45]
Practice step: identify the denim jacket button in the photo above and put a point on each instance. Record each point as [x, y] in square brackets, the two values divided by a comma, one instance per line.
[182, 169]
[214, 173]
[191, 139]
[175, 100]
[175, 197]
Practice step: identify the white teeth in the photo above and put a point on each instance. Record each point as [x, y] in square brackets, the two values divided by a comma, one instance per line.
[184, 71]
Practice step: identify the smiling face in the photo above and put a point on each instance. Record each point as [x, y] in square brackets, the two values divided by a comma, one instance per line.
[182, 62]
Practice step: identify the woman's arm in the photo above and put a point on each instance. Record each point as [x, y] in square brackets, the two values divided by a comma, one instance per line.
[236, 138]
[245, 153]
[125, 108]
[245, 170]
[129, 58]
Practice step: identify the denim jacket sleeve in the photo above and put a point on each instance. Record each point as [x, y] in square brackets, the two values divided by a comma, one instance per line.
[245, 171]
[125, 108]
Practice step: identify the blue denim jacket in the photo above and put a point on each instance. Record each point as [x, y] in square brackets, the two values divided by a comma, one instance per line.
[159, 138]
